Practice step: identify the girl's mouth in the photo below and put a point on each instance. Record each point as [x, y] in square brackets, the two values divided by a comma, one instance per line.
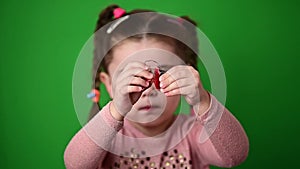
[146, 108]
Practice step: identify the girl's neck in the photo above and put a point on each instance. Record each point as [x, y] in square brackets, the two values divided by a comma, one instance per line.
[153, 130]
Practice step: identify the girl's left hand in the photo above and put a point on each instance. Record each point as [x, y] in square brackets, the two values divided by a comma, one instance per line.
[184, 80]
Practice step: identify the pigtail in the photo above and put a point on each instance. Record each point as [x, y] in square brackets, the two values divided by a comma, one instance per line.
[104, 17]
[95, 85]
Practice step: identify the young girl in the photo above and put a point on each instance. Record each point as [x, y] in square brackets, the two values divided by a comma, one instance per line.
[145, 75]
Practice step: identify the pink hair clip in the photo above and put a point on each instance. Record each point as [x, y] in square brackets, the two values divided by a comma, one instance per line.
[178, 21]
[118, 12]
[94, 95]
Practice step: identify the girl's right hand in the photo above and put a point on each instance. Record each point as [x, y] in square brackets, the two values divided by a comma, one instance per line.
[127, 87]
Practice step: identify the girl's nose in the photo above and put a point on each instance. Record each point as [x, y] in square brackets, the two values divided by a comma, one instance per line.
[151, 91]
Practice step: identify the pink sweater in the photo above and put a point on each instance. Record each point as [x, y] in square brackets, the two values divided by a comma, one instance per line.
[223, 145]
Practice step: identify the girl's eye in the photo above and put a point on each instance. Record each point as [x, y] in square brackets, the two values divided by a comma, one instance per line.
[162, 71]
[164, 68]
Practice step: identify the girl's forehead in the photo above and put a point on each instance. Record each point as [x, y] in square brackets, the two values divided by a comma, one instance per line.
[129, 47]
[141, 51]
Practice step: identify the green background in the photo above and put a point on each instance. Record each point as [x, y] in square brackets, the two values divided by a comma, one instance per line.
[40, 41]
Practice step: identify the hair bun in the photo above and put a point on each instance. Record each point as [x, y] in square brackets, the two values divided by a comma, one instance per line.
[106, 16]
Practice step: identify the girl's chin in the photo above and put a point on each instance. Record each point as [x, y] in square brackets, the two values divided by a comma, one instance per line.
[161, 121]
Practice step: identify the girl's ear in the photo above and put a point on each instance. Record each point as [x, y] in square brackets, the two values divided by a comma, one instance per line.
[105, 79]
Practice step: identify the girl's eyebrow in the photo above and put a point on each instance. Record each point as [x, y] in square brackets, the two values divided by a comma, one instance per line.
[167, 66]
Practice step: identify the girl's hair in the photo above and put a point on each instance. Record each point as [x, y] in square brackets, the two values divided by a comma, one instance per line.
[147, 23]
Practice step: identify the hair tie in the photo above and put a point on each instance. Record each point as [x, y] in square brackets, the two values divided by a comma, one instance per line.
[94, 95]
[116, 23]
[118, 12]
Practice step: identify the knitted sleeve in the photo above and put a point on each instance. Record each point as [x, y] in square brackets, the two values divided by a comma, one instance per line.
[88, 148]
[221, 140]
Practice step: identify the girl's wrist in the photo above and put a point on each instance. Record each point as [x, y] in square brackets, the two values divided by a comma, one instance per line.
[204, 101]
[114, 113]
[204, 97]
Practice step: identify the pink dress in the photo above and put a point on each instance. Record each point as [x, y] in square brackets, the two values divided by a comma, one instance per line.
[105, 143]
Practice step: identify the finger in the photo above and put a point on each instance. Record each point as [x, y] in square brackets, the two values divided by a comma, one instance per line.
[175, 73]
[165, 80]
[165, 83]
[134, 89]
[144, 74]
[130, 74]
[185, 91]
[177, 84]
[181, 71]
[164, 76]
[173, 92]
[137, 81]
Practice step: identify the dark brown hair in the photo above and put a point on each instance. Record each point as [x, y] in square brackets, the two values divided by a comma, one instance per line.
[148, 23]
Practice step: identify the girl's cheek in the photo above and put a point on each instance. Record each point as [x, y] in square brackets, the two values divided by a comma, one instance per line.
[172, 103]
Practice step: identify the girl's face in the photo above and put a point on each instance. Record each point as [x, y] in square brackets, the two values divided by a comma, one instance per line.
[141, 51]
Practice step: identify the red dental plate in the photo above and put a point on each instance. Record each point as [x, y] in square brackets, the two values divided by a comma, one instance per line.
[155, 79]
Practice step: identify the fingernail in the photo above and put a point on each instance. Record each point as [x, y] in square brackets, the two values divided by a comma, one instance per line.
[161, 85]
